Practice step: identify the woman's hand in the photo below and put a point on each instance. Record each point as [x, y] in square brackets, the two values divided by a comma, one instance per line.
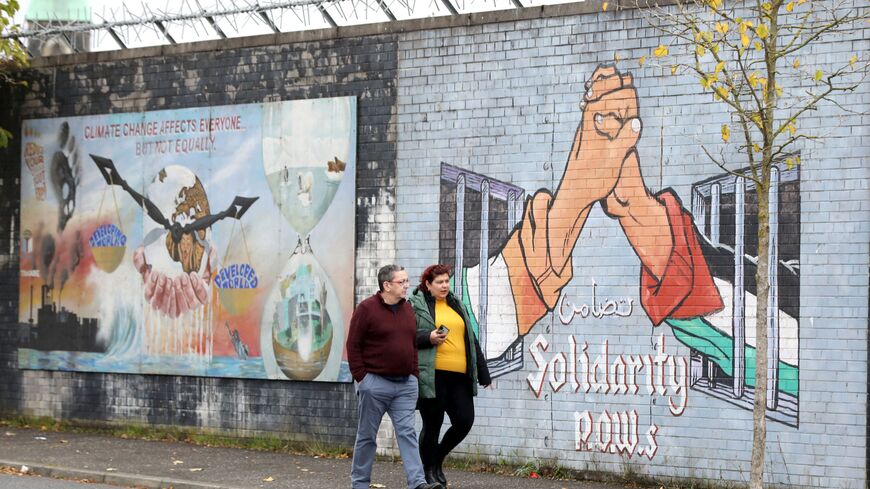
[437, 338]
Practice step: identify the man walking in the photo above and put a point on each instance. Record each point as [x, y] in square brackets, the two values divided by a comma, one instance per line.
[382, 355]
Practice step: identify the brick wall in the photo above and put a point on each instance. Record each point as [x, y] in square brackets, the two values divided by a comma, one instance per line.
[495, 98]
[499, 103]
[364, 67]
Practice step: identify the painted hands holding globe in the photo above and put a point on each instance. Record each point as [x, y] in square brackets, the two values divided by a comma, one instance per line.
[174, 296]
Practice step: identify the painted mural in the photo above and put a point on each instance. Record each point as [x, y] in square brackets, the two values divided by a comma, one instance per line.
[202, 241]
[534, 304]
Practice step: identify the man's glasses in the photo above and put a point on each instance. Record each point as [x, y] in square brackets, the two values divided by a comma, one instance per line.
[400, 282]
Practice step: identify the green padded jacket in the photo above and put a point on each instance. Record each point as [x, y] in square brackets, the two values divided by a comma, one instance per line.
[424, 308]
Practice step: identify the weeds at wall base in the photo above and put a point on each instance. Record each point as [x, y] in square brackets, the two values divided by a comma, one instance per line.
[164, 433]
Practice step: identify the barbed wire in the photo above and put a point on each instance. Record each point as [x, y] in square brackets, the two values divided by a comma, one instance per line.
[123, 24]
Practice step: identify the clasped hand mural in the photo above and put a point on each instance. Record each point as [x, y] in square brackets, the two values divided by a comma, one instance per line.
[127, 266]
[515, 270]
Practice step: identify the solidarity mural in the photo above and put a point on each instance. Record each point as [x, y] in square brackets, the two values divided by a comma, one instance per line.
[544, 314]
[191, 241]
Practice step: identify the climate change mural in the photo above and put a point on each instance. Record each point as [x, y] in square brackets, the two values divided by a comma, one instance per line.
[206, 241]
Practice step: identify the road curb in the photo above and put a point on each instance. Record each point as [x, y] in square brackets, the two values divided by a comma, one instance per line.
[113, 478]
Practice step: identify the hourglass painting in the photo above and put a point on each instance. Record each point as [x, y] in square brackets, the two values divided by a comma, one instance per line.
[212, 242]
[305, 165]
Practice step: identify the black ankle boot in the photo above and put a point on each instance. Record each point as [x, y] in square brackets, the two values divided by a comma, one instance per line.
[429, 474]
[439, 475]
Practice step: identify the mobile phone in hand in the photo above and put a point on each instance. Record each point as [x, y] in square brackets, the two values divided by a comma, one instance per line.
[443, 329]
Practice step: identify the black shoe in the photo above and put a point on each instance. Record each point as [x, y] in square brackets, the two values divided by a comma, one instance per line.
[430, 475]
[433, 485]
[439, 475]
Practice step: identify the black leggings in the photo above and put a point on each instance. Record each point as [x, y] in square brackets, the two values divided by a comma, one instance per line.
[453, 395]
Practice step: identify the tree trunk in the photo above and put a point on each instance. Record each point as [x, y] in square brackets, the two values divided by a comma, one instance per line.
[762, 281]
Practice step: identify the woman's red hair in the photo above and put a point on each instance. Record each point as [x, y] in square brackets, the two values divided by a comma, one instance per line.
[430, 273]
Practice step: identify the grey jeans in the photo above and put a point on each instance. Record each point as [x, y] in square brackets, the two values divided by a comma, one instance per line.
[377, 396]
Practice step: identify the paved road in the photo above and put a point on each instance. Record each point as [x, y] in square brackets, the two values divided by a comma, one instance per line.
[35, 482]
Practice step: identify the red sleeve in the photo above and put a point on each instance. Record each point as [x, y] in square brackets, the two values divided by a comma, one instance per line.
[356, 332]
[415, 369]
[686, 288]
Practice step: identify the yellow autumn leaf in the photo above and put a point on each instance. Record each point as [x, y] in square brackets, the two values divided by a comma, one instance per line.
[707, 36]
[715, 49]
[673, 69]
[714, 4]
[762, 31]
[756, 148]
[753, 79]
[744, 40]
[758, 45]
[819, 75]
[766, 6]
[853, 60]
[722, 27]
[616, 57]
[789, 163]
[604, 6]
[719, 67]
[721, 92]
[792, 129]
[660, 51]
[797, 160]
[708, 81]
[778, 90]
[796, 63]
[789, 7]
[641, 61]
[700, 51]
[726, 132]
[762, 81]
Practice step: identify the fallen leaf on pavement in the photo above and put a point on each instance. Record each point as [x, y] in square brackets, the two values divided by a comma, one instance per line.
[196, 469]
[177, 462]
[40, 438]
[64, 441]
[269, 479]
[9, 433]
[377, 486]
[110, 469]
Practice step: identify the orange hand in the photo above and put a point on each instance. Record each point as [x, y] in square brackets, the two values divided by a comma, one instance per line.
[643, 218]
[609, 130]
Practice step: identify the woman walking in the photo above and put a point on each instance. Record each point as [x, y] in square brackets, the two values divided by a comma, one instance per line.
[451, 365]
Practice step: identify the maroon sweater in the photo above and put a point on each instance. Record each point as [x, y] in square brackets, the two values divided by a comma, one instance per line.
[382, 341]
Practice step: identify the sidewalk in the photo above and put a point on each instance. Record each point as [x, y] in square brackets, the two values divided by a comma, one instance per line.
[157, 464]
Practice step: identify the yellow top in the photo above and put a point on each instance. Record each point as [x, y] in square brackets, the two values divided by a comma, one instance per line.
[450, 355]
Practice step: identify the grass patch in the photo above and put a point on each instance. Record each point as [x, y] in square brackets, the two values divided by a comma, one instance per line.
[172, 434]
